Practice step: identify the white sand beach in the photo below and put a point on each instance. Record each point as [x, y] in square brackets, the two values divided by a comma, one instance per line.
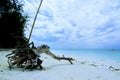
[82, 69]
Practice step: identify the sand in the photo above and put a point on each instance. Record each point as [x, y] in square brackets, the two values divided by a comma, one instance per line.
[82, 69]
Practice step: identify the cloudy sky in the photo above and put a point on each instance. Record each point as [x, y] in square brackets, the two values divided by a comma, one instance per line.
[75, 23]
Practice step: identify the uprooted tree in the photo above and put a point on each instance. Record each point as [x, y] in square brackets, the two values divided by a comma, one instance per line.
[29, 57]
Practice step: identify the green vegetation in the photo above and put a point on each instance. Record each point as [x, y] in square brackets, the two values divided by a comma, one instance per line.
[12, 23]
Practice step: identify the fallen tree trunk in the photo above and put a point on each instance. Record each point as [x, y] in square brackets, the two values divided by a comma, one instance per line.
[45, 49]
[59, 58]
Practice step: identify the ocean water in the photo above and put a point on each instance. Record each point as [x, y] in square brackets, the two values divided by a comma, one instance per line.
[98, 53]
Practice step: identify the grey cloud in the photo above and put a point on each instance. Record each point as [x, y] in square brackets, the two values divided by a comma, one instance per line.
[46, 38]
[111, 7]
[73, 23]
[48, 15]
[111, 23]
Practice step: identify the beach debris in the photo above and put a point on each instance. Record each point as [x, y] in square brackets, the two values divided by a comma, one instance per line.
[24, 57]
[113, 69]
[1, 70]
[80, 62]
[29, 57]
[97, 76]
[83, 62]
[93, 65]
[45, 49]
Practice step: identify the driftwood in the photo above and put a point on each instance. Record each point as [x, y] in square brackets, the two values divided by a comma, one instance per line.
[45, 49]
[30, 57]
[64, 58]
[113, 69]
[60, 58]
[20, 57]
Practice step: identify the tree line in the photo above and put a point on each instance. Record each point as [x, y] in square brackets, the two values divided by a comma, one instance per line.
[12, 23]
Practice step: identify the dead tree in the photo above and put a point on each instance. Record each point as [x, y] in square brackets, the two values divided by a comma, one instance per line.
[45, 49]
[20, 58]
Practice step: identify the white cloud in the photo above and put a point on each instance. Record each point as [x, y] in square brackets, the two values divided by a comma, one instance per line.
[82, 23]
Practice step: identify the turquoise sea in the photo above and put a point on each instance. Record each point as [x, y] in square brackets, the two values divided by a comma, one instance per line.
[110, 54]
